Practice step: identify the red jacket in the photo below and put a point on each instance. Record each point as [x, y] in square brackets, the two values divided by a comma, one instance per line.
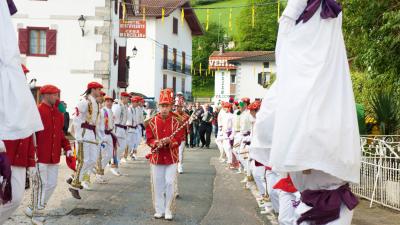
[184, 118]
[51, 139]
[158, 129]
[21, 152]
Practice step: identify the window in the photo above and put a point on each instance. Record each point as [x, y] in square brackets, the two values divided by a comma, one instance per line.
[174, 84]
[183, 89]
[37, 41]
[233, 77]
[165, 63]
[266, 65]
[174, 59]
[165, 80]
[175, 26]
[183, 62]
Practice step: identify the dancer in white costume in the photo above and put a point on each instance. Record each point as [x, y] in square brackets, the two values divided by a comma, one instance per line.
[134, 132]
[120, 111]
[15, 122]
[323, 153]
[220, 135]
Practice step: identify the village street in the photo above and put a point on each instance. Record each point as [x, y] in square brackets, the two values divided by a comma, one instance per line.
[210, 194]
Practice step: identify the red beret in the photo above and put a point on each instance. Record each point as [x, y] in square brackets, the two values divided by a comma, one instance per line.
[254, 106]
[94, 85]
[246, 100]
[135, 99]
[125, 94]
[108, 98]
[226, 105]
[49, 89]
[102, 93]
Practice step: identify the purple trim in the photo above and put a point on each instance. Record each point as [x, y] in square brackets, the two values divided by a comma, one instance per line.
[5, 186]
[326, 204]
[330, 9]
[11, 7]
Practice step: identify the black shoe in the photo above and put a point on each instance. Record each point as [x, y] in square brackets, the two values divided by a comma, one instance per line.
[202, 146]
[75, 193]
[191, 146]
[207, 147]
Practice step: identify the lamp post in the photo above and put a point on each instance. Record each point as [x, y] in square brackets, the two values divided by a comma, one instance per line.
[82, 21]
[134, 53]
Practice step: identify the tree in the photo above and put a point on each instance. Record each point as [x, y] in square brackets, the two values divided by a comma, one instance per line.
[203, 47]
[263, 35]
[372, 34]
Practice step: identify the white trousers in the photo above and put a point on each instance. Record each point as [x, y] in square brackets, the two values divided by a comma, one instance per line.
[49, 176]
[181, 149]
[286, 208]
[163, 185]
[122, 141]
[272, 178]
[133, 137]
[319, 180]
[106, 151]
[258, 173]
[18, 176]
[228, 149]
[219, 142]
[90, 154]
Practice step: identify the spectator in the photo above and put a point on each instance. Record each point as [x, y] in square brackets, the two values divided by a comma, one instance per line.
[205, 128]
[215, 121]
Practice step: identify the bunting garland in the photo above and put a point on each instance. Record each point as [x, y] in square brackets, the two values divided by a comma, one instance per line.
[230, 19]
[183, 16]
[278, 10]
[253, 13]
[123, 11]
[207, 18]
[144, 13]
[162, 15]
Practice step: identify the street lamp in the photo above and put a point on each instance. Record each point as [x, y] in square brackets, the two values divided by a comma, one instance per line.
[134, 53]
[82, 22]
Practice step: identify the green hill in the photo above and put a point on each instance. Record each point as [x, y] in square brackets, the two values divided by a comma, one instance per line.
[220, 16]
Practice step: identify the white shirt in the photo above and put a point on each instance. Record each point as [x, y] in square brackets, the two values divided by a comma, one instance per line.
[83, 115]
[106, 113]
[120, 112]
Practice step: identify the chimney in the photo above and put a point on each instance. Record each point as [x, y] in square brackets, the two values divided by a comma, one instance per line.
[221, 49]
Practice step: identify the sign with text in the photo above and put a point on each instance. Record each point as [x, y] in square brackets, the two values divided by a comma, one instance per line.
[132, 29]
[220, 63]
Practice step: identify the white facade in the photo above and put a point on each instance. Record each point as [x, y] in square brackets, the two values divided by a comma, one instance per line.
[146, 69]
[245, 83]
[78, 60]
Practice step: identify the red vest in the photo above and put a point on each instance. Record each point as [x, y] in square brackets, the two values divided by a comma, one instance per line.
[21, 152]
[51, 139]
[158, 129]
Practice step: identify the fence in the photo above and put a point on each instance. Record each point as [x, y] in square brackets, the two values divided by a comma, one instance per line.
[380, 171]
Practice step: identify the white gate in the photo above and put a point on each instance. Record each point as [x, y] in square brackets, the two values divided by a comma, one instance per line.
[380, 171]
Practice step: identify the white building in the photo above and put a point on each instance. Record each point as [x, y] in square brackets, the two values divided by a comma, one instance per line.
[55, 49]
[164, 56]
[242, 74]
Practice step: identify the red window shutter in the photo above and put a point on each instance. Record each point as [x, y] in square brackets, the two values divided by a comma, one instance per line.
[120, 11]
[23, 40]
[122, 68]
[51, 42]
[115, 7]
[183, 62]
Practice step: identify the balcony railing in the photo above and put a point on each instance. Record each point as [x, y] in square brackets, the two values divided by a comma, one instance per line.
[177, 67]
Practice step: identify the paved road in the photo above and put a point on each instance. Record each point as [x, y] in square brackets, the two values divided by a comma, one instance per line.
[210, 195]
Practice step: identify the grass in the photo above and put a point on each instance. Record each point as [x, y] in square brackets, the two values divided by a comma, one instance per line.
[221, 16]
[203, 92]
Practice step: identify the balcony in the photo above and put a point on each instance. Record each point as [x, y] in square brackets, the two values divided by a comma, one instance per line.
[177, 67]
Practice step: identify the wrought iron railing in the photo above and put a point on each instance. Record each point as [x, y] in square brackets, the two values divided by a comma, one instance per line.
[177, 67]
[380, 171]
